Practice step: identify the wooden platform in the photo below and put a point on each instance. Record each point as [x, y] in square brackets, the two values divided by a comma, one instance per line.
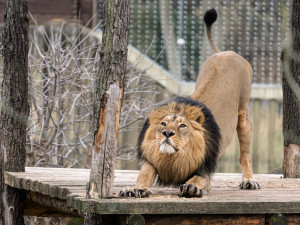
[65, 190]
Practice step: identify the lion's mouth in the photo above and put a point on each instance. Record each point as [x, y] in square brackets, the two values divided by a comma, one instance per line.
[167, 147]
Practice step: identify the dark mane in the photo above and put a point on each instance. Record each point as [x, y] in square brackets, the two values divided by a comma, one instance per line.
[213, 138]
[141, 139]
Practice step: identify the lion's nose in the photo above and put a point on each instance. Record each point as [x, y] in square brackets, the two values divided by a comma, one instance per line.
[168, 133]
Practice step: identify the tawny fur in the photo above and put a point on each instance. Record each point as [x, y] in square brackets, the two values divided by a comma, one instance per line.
[146, 176]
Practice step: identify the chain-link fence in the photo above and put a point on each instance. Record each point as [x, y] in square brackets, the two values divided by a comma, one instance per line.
[173, 33]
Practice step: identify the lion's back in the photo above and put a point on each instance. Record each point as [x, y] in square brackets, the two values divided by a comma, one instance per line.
[224, 85]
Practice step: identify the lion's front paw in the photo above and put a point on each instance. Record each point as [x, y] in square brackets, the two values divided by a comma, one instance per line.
[141, 193]
[127, 192]
[249, 184]
[190, 191]
[138, 193]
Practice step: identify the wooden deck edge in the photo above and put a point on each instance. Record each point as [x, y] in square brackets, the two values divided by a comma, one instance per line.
[35, 186]
[187, 206]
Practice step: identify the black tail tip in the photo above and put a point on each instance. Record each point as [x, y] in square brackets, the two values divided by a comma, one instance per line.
[210, 17]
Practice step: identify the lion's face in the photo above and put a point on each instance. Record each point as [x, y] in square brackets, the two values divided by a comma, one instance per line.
[174, 143]
[173, 129]
[173, 133]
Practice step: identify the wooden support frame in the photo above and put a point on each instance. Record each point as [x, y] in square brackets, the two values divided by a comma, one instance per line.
[44, 206]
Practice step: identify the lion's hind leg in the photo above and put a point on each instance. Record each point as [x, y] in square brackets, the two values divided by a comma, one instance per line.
[195, 187]
[244, 130]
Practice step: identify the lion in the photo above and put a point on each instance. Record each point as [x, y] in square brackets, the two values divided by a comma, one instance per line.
[182, 140]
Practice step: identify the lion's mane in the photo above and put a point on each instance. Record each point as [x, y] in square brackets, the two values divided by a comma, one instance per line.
[206, 154]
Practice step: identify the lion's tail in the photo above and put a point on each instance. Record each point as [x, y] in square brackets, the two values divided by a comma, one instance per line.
[209, 18]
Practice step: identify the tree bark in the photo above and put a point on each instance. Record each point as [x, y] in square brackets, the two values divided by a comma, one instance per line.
[108, 99]
[291, 98]
[14, 107]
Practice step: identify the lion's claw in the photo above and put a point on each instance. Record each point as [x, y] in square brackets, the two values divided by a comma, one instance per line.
[127, 193]
[141, 193]
[190, 191]
[249, 184]
[137, 193]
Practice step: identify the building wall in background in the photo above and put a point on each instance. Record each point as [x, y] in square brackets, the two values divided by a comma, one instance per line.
[45, 10]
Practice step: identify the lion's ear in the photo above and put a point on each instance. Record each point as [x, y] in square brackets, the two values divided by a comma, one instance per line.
[200, 119]
[195, 113]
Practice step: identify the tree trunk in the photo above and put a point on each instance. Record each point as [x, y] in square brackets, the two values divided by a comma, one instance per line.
[291, 98]
[108, 99]
[14, 107]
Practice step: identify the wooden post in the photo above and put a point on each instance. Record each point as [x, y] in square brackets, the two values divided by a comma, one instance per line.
[95, 5]
[291, 98]
[272, 135]
[14, 107]
[256, 134]
[108, 99]
[167, 26]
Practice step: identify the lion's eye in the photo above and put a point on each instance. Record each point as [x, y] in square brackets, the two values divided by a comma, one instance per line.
[163, 124]
[182, 125]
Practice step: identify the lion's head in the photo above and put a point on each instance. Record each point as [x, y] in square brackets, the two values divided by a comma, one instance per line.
[180, 139]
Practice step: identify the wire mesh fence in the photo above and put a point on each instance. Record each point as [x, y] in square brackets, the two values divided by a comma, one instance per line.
[173, 33]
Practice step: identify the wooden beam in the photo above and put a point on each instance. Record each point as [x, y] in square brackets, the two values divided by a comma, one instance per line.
[266, 92]
[204, 219]
[187, 206]
[44, 206]
[35, 209]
